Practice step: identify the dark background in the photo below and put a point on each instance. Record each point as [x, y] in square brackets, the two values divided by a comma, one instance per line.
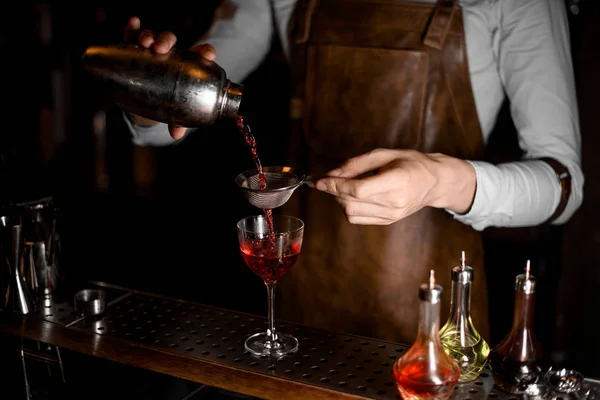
[163, 219]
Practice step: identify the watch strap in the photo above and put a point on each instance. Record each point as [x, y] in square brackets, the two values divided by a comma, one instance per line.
[564, 178]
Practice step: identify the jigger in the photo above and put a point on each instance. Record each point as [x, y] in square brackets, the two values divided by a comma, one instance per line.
[6, 224]
[19, 298]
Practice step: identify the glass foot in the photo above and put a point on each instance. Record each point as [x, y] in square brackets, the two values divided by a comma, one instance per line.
[260, 344]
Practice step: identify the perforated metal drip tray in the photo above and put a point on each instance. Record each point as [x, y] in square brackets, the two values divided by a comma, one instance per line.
[344, 363]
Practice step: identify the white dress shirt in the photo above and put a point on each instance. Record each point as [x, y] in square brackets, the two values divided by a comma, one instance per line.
[515, 48]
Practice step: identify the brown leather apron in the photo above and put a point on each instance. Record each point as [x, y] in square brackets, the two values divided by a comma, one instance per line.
[368, 74]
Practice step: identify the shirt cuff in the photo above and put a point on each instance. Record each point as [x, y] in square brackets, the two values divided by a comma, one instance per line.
[474, 216]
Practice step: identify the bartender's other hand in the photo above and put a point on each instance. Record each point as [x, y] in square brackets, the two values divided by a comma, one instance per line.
[404, 182]
[160, 43]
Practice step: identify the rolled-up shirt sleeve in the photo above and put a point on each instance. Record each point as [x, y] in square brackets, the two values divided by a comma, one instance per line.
[535, 67]
[241, 34]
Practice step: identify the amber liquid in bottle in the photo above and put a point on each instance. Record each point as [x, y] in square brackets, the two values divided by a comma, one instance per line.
[458, 336]
[515, 361]
[425, 371]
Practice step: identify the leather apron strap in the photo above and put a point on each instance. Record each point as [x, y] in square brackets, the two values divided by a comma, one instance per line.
[440, 23]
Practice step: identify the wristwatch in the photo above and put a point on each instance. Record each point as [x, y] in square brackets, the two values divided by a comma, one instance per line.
[564, 178]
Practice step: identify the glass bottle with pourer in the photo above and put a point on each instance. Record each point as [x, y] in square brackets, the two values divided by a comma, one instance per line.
[425, 371]
[515, 361]
[458, 336]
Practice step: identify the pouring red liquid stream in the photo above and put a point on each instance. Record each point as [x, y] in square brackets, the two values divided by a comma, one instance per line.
[251, 142]
[262, 181]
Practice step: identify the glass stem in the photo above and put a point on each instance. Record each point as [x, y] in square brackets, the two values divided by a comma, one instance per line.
[271, 297]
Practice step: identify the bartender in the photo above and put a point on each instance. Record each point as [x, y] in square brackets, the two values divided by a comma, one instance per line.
[409, 91]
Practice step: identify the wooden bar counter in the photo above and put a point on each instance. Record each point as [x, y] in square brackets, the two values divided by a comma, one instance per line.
[205, 344]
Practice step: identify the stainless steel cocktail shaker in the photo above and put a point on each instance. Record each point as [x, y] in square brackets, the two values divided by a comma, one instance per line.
[180, 87]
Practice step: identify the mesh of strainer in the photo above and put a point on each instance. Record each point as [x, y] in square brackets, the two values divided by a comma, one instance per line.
[281, 183]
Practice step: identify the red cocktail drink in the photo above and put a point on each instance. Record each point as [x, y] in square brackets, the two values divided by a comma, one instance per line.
[270, 251]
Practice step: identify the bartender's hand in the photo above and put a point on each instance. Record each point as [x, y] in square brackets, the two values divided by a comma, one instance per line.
[161, 44]
[404, 182]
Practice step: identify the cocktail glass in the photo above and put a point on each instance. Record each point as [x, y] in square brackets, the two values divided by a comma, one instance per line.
[270, 246]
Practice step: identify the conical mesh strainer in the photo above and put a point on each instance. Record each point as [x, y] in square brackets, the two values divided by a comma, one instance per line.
[281, 183]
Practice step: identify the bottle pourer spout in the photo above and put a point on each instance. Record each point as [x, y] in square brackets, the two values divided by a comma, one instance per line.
[431, 279]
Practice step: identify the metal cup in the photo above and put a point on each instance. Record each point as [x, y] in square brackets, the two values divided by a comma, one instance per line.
[90, 302]
[40, 275]
[42, 244]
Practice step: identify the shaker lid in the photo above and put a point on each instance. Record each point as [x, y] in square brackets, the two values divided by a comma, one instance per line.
[431, 291]
[462, 273]
[525, 282]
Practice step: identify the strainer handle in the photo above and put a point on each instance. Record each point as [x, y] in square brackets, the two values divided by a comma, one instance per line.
[312, 179]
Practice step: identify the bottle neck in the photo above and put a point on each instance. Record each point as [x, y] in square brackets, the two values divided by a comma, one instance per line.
[524, 311]
[429, 321]
[521, 343]
[460, 303]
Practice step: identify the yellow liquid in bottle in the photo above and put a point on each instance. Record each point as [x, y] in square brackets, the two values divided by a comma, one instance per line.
[469, 351]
